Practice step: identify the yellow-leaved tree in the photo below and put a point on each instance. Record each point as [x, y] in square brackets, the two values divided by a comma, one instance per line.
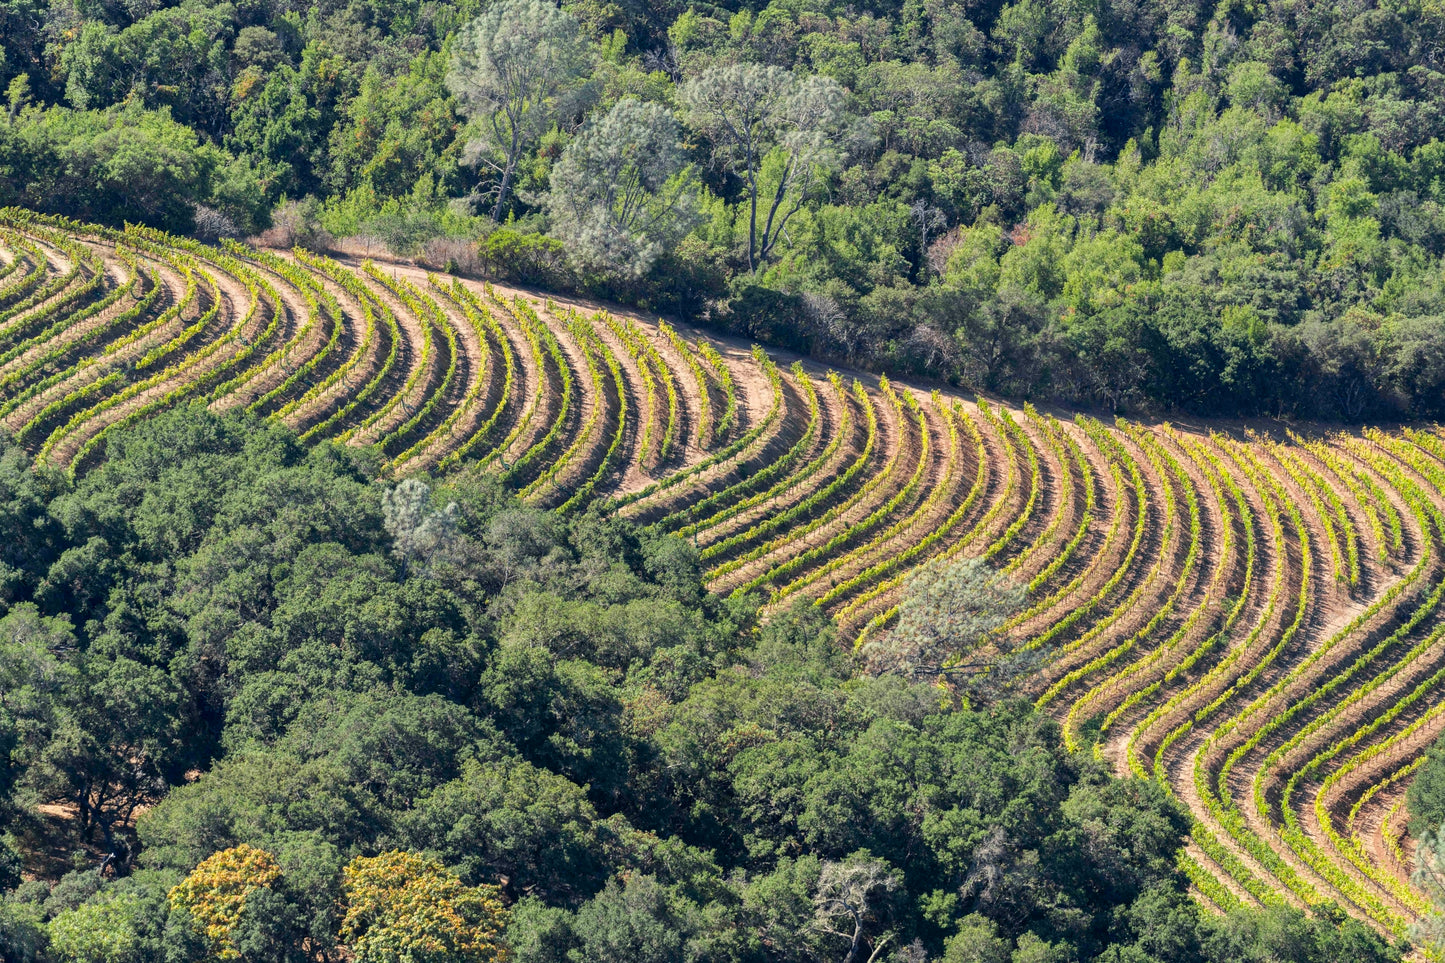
[403, 908]
[215, 892]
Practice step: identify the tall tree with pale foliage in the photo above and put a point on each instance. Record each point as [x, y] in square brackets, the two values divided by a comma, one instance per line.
[622, 192]
[776, 131]
[850, 902]
[949, 611]
[511, 69]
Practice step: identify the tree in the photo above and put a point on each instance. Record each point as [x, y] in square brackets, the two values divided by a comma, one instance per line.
[273, 928]
[510, 68]
[774, 131]
[1283, 934]
[118, 732]
[26, 544]
[420, 532]
[31, 647]
[511, 820]
[634, 921]
[1425, 799]
[1416, 370]
[100, 930]
[850, 899]
[401, 907]
[399, 129]
[217, 890]
[22, 933]
[977, 941]
[621, 193]
[175, 57]
[124, 164]
[280, 119]
[949, 610]
[1429, 872]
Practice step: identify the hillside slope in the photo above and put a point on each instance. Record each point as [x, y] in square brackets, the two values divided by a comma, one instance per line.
[1252, 620]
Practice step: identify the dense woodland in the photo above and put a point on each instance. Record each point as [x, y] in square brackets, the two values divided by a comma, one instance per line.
[1223, 209]
[420, 722]
[258, 702]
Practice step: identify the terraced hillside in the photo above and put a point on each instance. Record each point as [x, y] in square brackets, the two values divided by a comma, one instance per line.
[1255, 622]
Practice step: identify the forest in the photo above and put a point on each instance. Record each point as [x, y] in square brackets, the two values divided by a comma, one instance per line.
[635, 482]
[1230, 209]
[301, 714]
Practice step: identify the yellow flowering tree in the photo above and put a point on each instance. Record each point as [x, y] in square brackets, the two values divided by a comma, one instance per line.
[403, 907]
[215, 892]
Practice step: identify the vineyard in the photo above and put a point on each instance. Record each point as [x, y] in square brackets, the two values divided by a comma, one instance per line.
[1252, 620]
